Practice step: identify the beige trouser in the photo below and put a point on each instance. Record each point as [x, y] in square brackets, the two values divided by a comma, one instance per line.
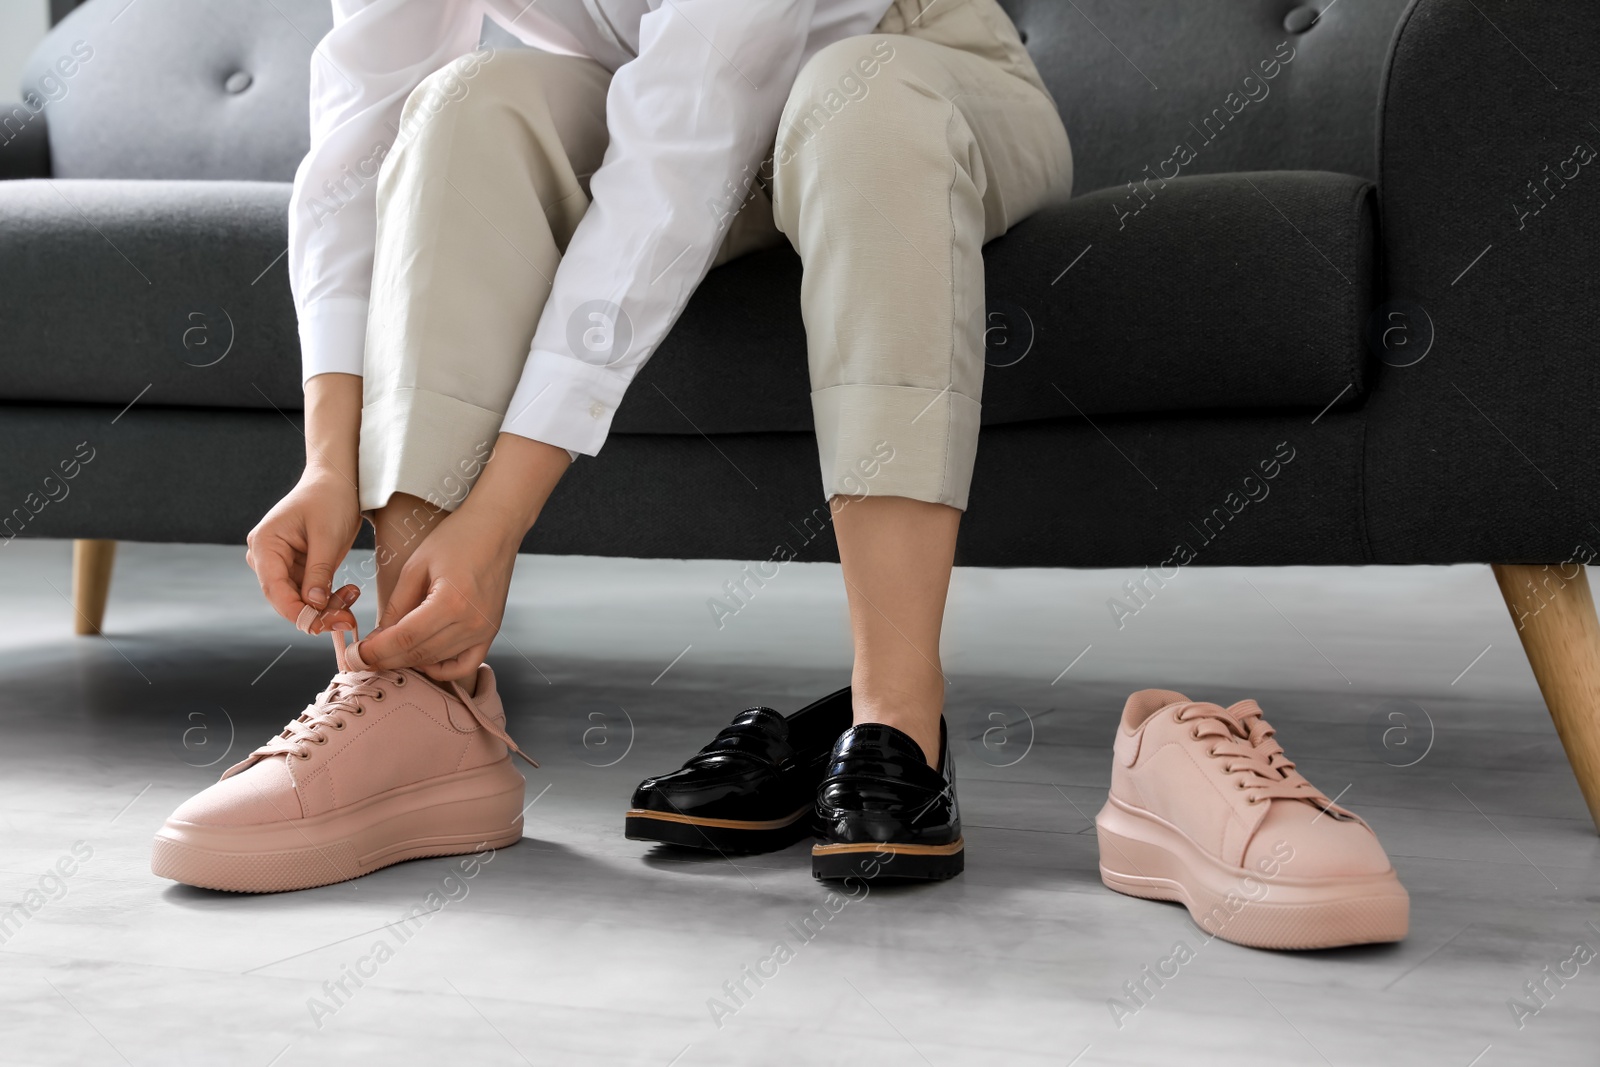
[887, 185]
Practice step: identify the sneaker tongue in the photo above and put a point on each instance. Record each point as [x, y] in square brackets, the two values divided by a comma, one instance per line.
[1196, 707]
[1235, 714]
[1243, 710]
[1241, 713]
[768, 720]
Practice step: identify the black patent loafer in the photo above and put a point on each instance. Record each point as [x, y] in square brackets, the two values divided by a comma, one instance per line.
[752, 789]
[883, 813]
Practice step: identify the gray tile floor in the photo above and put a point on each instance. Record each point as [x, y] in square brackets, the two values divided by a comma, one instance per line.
[1404, 689]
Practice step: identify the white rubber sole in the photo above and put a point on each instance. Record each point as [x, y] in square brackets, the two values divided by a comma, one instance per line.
[1144, 857]
[456, 814]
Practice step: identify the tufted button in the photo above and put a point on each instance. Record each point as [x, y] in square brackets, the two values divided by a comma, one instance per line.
[237, 82]
[1301, 18]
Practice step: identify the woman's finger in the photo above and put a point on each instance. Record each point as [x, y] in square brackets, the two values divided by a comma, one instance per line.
[439, 628]
[458, 667]
[446, 645]
[272, 558]
[324, 552]
[337, 612]
[331, 620]
[420, 639]
[393, 646]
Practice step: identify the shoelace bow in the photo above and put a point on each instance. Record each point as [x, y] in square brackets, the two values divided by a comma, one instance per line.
[1243, 737]
[354, 682]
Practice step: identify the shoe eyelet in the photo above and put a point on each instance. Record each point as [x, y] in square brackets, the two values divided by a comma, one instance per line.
[359, 711]
[378, 695]
[321, 739]
[339, 725]
[400, 681]
[1241, 783]
[302, 755]
[1194, 732]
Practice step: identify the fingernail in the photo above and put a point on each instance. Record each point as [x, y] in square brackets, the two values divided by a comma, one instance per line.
[319, 597]
[342, 626]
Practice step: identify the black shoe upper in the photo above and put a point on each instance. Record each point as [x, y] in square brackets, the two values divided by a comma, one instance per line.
[879, 788]
[763, 766]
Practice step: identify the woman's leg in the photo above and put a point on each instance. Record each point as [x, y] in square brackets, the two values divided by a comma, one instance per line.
[897, 554]
[899, 155]
[476, 202]
[399, 528]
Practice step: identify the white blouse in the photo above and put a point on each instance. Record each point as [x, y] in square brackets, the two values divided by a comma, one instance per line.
[694, 104]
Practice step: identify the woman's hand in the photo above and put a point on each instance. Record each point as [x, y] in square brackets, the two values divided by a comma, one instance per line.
[296, 548]
[447, 605]
[448, 602]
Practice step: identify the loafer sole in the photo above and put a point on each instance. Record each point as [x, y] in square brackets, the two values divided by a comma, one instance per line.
[448, 816]
[888, 861]
[1143, 856]
[722, 835]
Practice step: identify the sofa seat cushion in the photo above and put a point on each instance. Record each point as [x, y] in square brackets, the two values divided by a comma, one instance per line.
[1211, 292]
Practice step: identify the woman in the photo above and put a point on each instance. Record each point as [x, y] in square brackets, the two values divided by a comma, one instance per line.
[472, 310]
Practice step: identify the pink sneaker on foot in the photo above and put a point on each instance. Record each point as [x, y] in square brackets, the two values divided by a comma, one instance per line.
[1206, 809]
[384, 766]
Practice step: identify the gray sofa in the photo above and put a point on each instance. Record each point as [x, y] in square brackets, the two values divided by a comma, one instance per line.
[1347, 244]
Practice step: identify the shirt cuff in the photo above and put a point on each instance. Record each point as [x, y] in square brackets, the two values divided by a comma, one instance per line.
[333, 337]
[565, 402]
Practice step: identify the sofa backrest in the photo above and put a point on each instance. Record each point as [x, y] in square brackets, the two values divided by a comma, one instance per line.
[1137, 79]
[194, 89]
[178, 88]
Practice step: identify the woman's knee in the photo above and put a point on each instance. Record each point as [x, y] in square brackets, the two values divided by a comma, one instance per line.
[465, 97]
[839, 97]
[449, 87]
[470, 86]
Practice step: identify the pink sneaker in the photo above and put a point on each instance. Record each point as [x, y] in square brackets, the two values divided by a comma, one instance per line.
[384, 766]
[1206, 809]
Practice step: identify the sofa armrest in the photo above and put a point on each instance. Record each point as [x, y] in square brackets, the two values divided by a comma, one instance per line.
[110, 288]
[1481, 440]
[24, 143]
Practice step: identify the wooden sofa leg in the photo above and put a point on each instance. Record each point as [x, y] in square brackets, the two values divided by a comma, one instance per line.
[91, 582]
[1554, 615]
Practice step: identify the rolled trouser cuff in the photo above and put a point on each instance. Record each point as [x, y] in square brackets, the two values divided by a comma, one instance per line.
[897, 440]
[426, 444]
